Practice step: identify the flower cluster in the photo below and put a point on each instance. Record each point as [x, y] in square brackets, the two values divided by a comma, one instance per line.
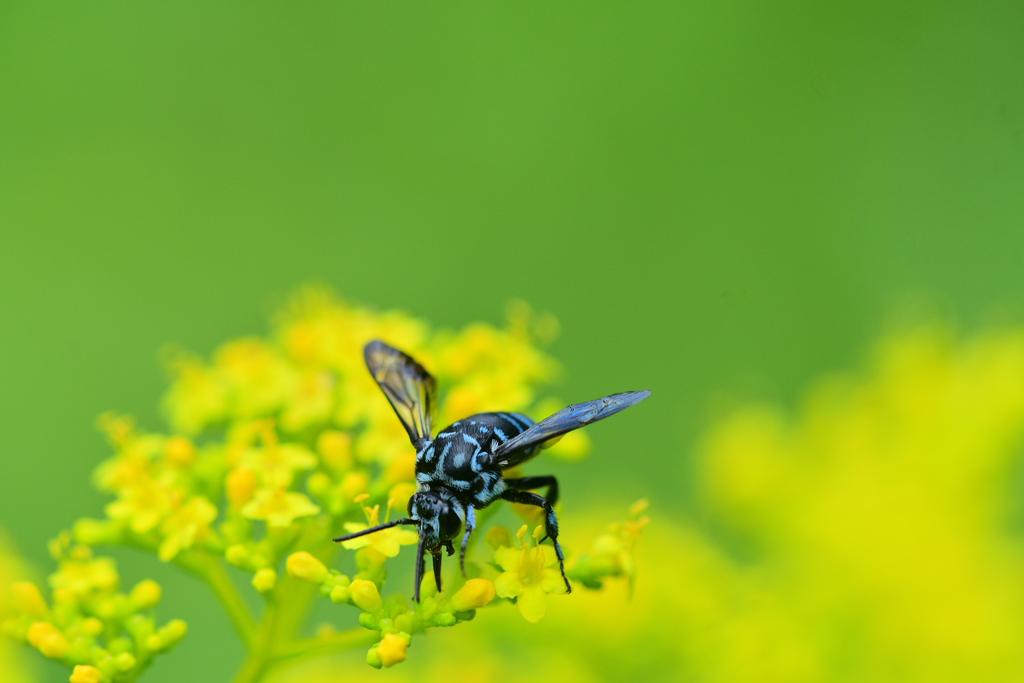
[276, 446]
[872, 533]
[105, 634]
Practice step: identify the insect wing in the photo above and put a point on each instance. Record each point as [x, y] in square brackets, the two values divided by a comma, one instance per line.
[523, 446]
[410, 389]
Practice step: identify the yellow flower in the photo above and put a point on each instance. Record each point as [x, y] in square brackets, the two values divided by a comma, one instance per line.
[275, 462]
[258, 377]
[385, 542]
[335, 449]
[86, 674]
[310, 401]
[198, 396]
[530, 574]
[80, 576]
[278, 507]
[185, 525]
[180, 451]
[142, 505]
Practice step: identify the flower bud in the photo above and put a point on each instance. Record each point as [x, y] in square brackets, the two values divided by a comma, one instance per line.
[264, 580]
[96, 532]
[28, 600]
[124, 662]
[365, 596]
[45, 637]
[179, 450]
[240, 486]
[391, 649]
[91, 626]
[145, 595]
[444, 619]
[237, 555]
[86, 674]
[476, 593]
[339, 595]
[305, 567]
[318, 485]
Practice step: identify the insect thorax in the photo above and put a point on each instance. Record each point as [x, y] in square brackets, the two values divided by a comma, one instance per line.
[459, 459]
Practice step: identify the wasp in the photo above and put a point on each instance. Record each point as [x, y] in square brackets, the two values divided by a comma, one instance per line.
[459, 471]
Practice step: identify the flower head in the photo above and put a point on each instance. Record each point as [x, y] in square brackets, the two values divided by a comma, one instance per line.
[186, 525]
[530, 573]
[279, 507]
[387, 541]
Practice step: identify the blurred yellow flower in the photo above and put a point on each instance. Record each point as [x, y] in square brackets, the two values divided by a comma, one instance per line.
[279, 507]
[186, 525]
[86, 674]
[275, 462]
[305, 567]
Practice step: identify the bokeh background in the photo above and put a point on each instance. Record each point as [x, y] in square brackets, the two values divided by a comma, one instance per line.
[720, 202]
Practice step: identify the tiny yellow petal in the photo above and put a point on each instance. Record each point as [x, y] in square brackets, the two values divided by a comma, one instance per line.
[508, 585]
[533, 603]
[508, 558]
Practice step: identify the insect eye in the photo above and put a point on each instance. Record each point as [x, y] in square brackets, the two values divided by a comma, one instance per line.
[449, 524]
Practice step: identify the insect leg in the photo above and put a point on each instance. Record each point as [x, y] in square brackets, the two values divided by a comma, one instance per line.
[420, 565]
[470, 525]
[437, 569]
[550, 523]
[531, 483]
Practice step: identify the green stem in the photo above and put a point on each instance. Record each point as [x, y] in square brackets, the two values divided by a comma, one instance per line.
[273, 639]
[210, 570]
[334, 642]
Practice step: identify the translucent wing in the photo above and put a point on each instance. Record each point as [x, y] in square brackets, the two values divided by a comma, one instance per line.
[526, 445]
[410, 389]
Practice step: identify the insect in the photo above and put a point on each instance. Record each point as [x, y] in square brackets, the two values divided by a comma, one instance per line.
[459, 471]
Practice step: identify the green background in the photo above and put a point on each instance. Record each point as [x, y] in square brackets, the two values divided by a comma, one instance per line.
[715, 199]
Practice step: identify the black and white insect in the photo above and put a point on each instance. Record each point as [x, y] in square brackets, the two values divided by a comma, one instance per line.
[459, 471]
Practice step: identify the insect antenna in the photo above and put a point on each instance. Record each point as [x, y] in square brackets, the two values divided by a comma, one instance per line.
[374, 529]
